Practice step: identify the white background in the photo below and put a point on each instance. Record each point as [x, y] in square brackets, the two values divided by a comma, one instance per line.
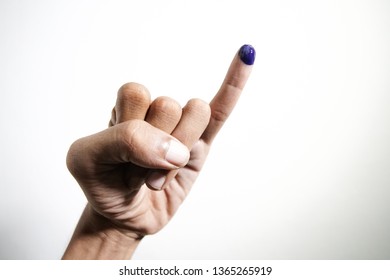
[300, 171]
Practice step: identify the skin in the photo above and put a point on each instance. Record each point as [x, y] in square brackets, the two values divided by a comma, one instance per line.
[118, 168]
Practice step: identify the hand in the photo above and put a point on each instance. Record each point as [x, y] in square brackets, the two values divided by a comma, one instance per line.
[136, 173]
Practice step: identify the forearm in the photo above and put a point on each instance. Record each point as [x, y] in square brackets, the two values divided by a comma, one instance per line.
[96, 238]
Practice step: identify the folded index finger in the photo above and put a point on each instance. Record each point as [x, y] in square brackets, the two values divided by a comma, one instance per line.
[226, 98]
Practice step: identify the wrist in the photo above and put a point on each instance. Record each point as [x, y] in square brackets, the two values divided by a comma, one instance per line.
[96, 237]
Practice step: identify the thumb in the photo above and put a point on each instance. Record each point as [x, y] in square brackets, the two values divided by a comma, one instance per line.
[133, 141]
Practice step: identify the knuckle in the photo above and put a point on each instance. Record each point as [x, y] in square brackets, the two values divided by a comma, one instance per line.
[219, 116]
[199, 107]
[133, 92]
[166, 105]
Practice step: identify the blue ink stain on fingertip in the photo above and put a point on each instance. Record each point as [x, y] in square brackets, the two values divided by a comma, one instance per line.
[247, 54]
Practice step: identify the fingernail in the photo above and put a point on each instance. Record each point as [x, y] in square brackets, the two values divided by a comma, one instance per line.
[156, 180]
[177, 153]
[247, 54]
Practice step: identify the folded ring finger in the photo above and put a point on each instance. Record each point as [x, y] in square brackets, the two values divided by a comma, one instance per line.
[164, 113]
